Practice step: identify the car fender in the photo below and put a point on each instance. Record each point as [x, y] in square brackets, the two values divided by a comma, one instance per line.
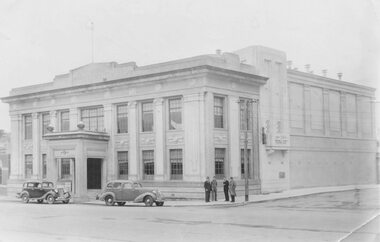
[24, 192]
[101, 197]
[140, 198]
[47, 194]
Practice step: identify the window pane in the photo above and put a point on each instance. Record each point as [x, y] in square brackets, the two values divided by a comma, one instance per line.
[122, 119]
[218, 112]
[148, 161]
[93, 119]
[122, 157]
[45, 123]
[175, 113]
[176, 168]
[28, 126]
[28, 166]
[65, 168]
[65, 121]
[219, 162]
[147, 117]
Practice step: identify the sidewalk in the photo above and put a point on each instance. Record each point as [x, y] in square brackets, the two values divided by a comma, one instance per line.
[239, 201]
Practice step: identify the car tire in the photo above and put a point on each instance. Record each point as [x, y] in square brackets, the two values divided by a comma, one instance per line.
[148, 200]
[50, 199]
[25, 198]
[109, 200]
[159, 204]
[120, 203]
[40, 200]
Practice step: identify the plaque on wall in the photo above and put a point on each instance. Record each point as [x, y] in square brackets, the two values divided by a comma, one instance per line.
[64, 153]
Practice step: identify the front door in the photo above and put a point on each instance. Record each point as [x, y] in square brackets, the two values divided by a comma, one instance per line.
[94, 173]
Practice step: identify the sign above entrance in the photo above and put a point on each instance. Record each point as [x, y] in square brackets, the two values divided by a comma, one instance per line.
[281, 140]
[64, 153]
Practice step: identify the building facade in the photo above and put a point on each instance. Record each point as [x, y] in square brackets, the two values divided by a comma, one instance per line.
[172, 124]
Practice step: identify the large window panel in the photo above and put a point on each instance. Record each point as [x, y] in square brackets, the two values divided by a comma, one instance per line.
[122, 158]
[122, 119]
[218, 112]
[219, 162]
[45, 123]
[176, 167]
[93, 118]
[175, 114]
[65, 121]
[28, 166]
[147, 117]
[148, 162]
[28, 127]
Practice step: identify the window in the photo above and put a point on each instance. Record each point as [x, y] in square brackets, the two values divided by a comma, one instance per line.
[147, 117]
[45, 123]
[175, 113]
[93, 118]
[28, 126]
[65, 168]
[218, 112]
[65, 121]
[219, 162]
[28, 166]
[44, 167]
[242, 161]
[122, 159]
[122, 119]
[243, 118]
[148, 161]
[176, 168]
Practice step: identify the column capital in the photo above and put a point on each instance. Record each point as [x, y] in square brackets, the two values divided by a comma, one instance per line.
[158, 101]
[16, 117]
[132, 104]
[34, 115]
[53, 113]
[107, 107]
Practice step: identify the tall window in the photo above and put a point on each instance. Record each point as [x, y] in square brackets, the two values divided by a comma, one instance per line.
[242, 161]
[28, 166]
[148, 161]
[65, 121]
[28, 126]
[45, 123]
[245, 110]
[44, 166]
[147, 117]
[65, 168]
[218, 112]
[176, 168]
[122, 119]
[175, 113]
[219, 162]
[93, 118]
[122, 159]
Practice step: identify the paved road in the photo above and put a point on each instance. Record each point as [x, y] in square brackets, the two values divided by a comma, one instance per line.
[342, 216]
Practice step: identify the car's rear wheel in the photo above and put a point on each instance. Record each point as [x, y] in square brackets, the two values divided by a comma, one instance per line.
[148, 200]
[50, 199]
[159, 204]
[25, 198]
[120, 203]
[40, 200]
[109, 201]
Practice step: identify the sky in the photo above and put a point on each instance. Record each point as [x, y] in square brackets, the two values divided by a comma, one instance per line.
[43, 38]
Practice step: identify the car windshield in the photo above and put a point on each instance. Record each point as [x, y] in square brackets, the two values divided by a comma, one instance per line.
[47, 185]
[137, 185]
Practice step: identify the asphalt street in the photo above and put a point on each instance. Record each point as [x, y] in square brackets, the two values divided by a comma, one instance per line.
[340, 216]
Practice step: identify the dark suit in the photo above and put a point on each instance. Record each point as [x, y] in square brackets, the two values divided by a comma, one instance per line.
[226, 185]
[207, 186]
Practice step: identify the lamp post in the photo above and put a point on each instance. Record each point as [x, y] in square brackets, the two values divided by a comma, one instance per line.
[245, 104]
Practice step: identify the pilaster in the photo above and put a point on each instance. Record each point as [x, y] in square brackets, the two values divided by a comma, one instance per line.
[160, 141]
[343, 112]
[133, 150]
[307, 110]
[36, 145]
[74, 118]
[326, 112]
[234, 137]
[16, 150]
[109, 126]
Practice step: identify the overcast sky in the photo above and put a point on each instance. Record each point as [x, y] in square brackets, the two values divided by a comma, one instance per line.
[40, 39]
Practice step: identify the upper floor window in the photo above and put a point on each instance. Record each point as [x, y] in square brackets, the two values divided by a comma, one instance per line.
[122, 119]
[93, 118]
[65, 121]
[218, 112]
[45, 123]
[175, 113]
[245, 114]
[28, 126]
[147, 116]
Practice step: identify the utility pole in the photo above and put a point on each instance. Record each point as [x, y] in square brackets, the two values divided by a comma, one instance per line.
[245, 104]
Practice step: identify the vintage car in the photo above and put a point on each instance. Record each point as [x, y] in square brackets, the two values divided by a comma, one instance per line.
[121, 191]
[43, 191]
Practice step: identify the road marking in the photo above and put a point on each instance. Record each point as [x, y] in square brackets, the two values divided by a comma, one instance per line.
[358, 227]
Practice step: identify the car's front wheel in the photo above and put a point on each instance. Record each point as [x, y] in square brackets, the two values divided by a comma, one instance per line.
[148, 200]
[109, 201]
[120, 203]
[159, 204]
[25, 198]
[50, 199]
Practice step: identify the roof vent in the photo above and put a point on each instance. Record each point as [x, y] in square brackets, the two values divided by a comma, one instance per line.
[340, 74]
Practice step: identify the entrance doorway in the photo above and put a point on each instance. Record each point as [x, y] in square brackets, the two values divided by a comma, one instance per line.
[94, 173]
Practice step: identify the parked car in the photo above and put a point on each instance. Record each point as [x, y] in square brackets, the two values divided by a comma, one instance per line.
[43, 191]
[121, 191]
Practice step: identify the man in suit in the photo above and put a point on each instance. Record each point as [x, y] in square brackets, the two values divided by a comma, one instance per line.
[207, 186]
[214, 189]
[232, 189]
[226, 185]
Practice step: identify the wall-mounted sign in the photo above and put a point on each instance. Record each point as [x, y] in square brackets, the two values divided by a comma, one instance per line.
[280, 140]
[64, 153]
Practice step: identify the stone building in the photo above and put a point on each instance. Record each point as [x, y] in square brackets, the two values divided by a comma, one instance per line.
[4, 157]
[174, 123]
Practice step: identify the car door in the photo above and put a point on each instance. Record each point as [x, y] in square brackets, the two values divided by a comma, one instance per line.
[39, 191]
[136, 190]
[116, 188]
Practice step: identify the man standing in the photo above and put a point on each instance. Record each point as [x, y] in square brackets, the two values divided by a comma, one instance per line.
[225, 189]
[214, 185]
[207, 186]
[232, 189]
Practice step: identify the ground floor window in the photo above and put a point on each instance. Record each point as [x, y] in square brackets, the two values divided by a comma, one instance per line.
[176, 168]
[28, 166]
[122, 159]
[242, 162]
[148, 162]
[44, 167]
[219, 162]
[65, 168]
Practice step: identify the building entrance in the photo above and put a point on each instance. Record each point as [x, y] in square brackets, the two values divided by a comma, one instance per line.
[94, 173]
